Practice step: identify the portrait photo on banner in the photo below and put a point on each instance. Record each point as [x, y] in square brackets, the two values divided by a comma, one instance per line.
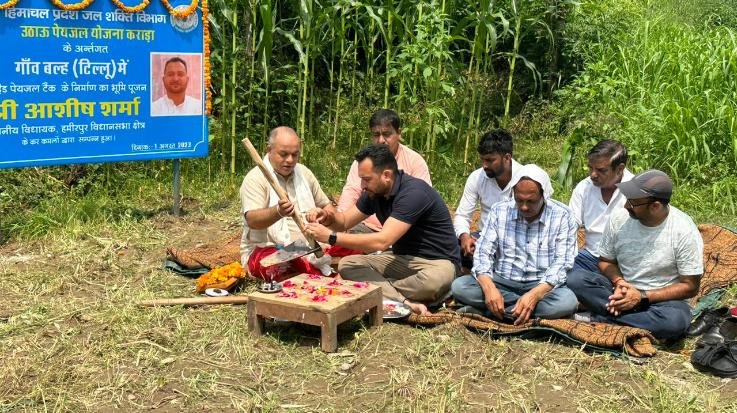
[176, 84]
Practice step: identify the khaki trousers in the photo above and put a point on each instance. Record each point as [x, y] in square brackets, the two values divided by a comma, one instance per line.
[401, 276]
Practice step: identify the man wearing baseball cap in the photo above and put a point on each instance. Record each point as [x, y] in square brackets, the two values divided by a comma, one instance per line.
[651, 258]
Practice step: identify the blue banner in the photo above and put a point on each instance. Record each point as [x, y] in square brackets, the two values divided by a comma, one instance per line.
[100, 84]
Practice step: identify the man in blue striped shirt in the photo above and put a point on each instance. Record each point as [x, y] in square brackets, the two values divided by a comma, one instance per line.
[522, 256]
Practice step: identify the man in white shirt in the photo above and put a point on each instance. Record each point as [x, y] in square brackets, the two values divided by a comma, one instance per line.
[176, 102]
[650, 262]
[486, 186]
[597, 196]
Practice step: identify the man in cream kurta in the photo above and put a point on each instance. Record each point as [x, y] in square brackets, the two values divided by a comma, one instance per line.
[265, 216]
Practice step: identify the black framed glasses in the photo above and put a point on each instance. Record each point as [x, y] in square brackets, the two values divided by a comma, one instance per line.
[640, 204]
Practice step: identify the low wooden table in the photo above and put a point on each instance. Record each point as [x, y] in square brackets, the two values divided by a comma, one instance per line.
[321, 301]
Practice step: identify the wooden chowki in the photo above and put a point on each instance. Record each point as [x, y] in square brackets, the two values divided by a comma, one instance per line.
[318, 301]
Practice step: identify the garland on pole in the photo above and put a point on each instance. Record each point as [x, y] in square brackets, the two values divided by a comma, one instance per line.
[8, 4]
[206, 33]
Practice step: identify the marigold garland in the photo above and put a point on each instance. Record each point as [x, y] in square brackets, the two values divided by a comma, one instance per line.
[76, 6]
[220, 275]
[133, 9]
[8, 4]
[181, 14]
[206, 33]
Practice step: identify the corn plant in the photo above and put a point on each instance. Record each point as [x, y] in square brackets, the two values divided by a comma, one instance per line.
[265, 46]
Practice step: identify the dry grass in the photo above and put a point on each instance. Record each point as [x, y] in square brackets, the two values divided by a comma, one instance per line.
[73, 339]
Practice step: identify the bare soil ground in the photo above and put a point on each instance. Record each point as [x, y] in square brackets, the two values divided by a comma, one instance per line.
[73, 339]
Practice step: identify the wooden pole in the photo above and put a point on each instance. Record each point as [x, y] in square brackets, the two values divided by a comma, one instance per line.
[162, 302]
[281, 192]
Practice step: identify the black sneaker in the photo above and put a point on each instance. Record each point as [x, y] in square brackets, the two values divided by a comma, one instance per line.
[712, 336]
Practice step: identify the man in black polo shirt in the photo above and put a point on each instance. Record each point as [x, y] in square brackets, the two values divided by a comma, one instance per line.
[415, 223]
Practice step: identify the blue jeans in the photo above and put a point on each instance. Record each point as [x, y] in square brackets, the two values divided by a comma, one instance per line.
[665, 319]
[586, 261]
[558, 303]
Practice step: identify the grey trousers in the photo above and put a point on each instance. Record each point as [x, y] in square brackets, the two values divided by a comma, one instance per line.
[401, 276]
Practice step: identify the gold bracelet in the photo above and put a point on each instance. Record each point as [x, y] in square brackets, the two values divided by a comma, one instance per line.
[279, 213]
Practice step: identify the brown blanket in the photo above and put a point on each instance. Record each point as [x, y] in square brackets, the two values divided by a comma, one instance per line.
[720, 270]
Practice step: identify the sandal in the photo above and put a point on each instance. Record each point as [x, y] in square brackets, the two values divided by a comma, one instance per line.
[718, 359]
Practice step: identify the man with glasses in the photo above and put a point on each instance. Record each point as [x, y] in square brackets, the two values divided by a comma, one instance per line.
[527, 246]
[651, 258]
[385, 129]
[597, 196]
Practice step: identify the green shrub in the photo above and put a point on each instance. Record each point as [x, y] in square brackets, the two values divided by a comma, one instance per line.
[668, 91]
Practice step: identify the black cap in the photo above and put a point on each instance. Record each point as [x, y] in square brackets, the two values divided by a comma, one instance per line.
[651, 183]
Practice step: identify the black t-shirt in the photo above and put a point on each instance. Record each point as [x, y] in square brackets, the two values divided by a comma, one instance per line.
[414, 202]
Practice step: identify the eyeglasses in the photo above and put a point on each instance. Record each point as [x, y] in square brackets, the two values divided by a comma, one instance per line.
[636, 205]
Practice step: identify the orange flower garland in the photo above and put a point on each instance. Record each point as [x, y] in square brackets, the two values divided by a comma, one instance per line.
[220, 275]
[134, 9]
[8, 4]
[181, 14]
[76, 6]
[206, 33]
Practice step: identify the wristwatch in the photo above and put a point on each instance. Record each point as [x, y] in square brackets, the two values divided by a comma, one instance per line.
[644, 300]
[333, 238]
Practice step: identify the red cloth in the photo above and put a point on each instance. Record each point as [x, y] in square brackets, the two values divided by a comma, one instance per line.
[338, 251]
[278, 272]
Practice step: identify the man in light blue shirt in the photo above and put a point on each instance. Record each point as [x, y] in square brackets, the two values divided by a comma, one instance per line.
[525, 250]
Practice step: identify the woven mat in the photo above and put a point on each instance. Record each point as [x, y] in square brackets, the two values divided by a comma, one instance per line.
[635, 342]
[720, 259]
[211, 255]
